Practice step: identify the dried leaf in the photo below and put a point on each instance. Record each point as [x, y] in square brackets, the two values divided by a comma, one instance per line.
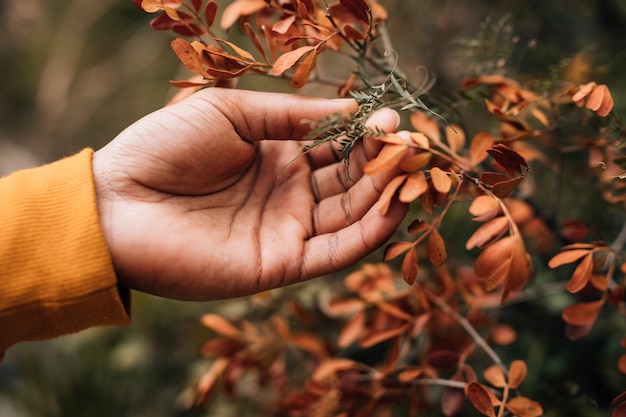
[517, 373]
[374, 337]
[482, 142]
[436, 248]
[420, 139]
[289, 59]
[352, 330]
[220, 325]
[524, 407]
[620, 410]
[414, 186]
[303, 72]
[409, 266]
[541, 117]
[455, 137]
[441, 180]
[495, 376]
[331, 366]
[580, 314]
[255, 39]
[453, 399]
[415, 162]
[387, 159]
[581, 274]
[504, 188]
[480, 399]
[207, 381]
[239, 51]
[503, 334]
[600, 100]
[417, 225]
[283, 26]
[488, 233]
[188, 56]
[508, 158]
[239, 8]
[424, 124]
[492, 178]
[484, 208]
[519, 269]
[567, 257]
[384, 201]
[358, 8]
[395, 249]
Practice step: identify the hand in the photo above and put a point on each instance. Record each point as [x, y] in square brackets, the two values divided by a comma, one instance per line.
[210, 197]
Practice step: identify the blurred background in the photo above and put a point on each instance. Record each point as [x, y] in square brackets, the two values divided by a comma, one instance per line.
[73, 73]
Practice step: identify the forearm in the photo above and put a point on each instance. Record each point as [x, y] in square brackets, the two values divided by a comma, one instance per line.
[56, 275]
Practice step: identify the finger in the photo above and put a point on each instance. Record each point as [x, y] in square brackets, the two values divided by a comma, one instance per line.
[263, 116]
[337, 250]
[336, 178]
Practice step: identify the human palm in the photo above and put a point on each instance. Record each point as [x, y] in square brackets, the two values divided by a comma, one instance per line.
[209, 198]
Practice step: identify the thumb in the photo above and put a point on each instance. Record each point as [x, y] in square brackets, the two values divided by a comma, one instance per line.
[272, 116]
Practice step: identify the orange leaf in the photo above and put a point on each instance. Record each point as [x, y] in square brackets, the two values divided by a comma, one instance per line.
[487, 233]
[484, 208]
[409, 266]
[289, 59]
[384, 201]
[503, 334]
[455, 137]
[352, 330]
[519, 269]
[331, 366]
[493, 264]
[220, 325]
[283, 26]
[436, 249]
[410, 374]
[541, 117]
[600, 100]
[375, 337]
[480, 399]
[239, 8]
[524, 407]
[424, 124]
[207, 381]
[567, 257]
[479, 146]
[395, 249]
[581, 274]
[388, 158]
[441, 180]
[415, 162]
[414, 187]
[303, 72]
[188, 56]
[495, 376]
[420, 140]
[582, 313]
[239, 51]
[517, 373]
[255, 39]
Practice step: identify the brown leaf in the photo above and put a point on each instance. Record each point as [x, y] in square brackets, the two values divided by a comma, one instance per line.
[492, 178]
[395, 249]
[482, 142]
[620, 410]
[333, 365]
[517, 373]
[441, 180]
[358, 8]
[409, 266]
[255, 39]
[480, 399]
[386, 197]
[600, 100]
[566, 257]
[453, 399]
[519, 269]
[289, 59]
[239, 8]
[303, 72]
[488, 233]
[207, 381]
[415, 162]
[374, 337]
[410, 374]
[503, 334]
[581, 274]
[387, 159]
[508, 158]
[283, 26]
[504, 188]
[436, 248]
[352, 330]
[220, 325]
[580, 314]
[188, 56]
[414, 186]
[524, 407]
[495, 376]
[417, 225]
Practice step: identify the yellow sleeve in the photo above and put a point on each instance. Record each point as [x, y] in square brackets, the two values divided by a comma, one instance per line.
[56, 274]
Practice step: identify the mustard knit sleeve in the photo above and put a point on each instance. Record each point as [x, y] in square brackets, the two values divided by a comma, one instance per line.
[56, 275]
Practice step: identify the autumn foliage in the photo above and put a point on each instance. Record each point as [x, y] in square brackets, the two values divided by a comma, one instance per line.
[417, 331]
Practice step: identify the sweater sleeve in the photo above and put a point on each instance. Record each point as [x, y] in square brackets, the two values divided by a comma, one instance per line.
[56, 274]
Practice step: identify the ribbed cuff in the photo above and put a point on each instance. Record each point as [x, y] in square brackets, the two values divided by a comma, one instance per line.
[56, 274]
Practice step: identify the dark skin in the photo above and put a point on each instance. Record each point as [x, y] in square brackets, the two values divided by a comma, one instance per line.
[208, 198]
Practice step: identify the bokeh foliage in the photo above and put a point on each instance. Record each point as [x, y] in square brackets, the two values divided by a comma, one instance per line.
[75, 72]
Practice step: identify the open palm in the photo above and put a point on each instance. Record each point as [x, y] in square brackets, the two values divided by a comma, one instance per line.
[208, 198]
